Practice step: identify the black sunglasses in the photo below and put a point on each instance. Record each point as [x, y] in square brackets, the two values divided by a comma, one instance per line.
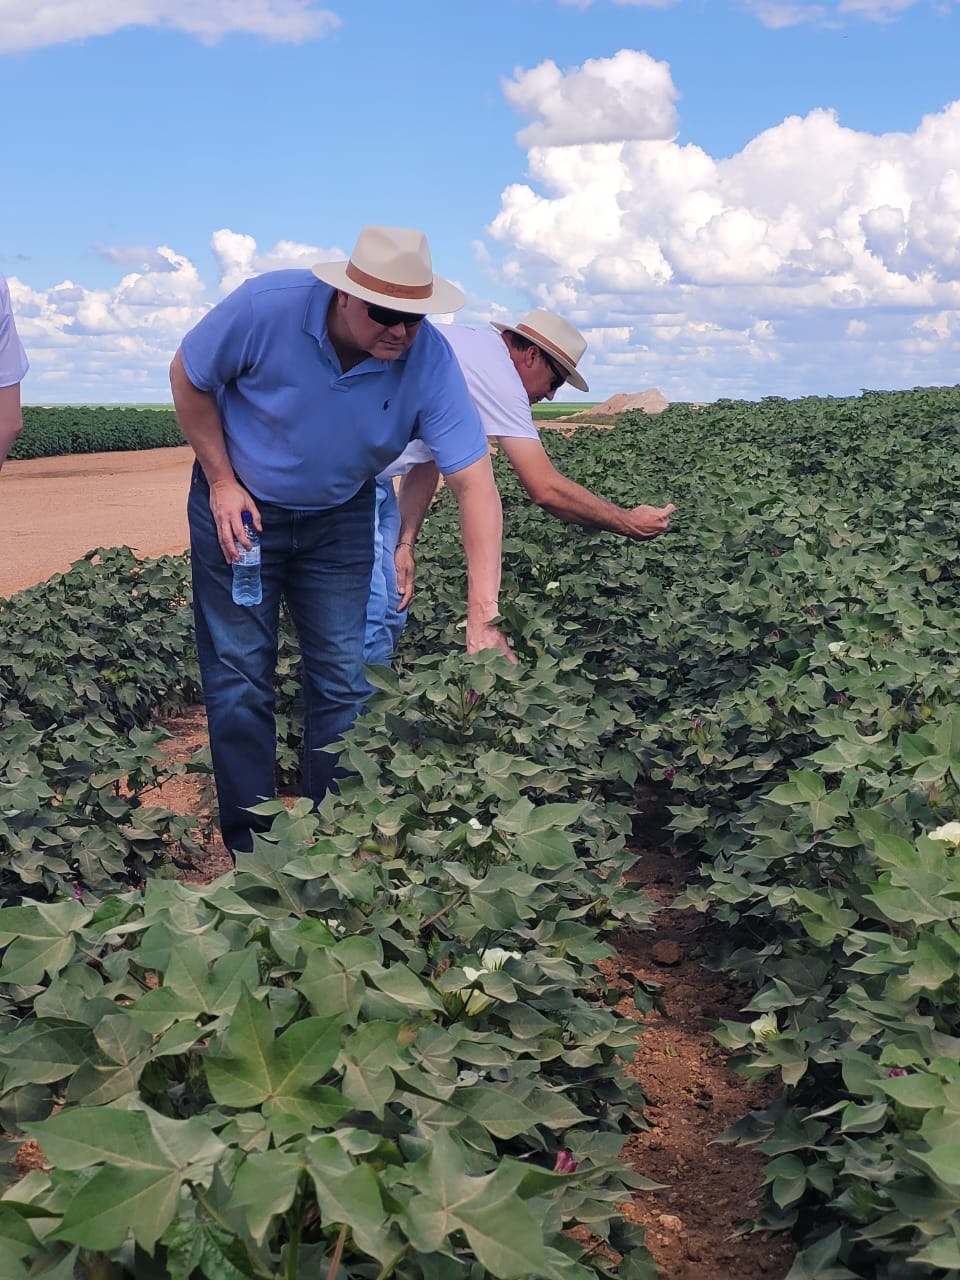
[559, 375]
[388, 318]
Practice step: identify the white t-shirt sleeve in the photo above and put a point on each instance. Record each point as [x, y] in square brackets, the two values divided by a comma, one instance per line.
[495, 388]
[13, 358]
[416, 451]
[493, 382]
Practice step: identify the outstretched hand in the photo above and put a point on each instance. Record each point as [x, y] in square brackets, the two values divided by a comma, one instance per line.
[481, 635]
[649, 522]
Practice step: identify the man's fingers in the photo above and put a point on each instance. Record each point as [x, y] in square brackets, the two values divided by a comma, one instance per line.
[228, 502]
[488, 637]
[406, 576]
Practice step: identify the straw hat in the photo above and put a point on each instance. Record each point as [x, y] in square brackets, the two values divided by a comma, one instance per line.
[554, 335]
[391, 266]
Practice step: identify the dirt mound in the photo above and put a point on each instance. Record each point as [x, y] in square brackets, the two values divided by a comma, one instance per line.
[650, 401]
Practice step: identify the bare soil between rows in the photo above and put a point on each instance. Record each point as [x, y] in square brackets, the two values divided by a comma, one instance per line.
[56, 510]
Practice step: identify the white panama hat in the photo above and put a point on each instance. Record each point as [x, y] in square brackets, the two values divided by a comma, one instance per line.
[391, 266]
[554, 335]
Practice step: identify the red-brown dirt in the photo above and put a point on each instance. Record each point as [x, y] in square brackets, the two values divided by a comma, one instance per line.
[55, 510]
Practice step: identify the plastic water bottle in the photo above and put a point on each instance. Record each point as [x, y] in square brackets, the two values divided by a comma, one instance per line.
[246, 571]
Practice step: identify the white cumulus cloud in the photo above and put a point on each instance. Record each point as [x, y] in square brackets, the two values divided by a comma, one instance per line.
[238, 258]
[765, 255]
[607, 99]
[34, 24]
[778, 14]
[115, 344]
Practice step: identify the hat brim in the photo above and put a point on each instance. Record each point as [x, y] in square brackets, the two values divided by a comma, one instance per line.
[444, 298]
[569, 369]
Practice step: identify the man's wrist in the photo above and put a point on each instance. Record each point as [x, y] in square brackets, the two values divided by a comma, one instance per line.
[405, 542]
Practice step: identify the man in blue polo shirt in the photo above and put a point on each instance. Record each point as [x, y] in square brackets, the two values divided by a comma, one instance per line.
[294, 392]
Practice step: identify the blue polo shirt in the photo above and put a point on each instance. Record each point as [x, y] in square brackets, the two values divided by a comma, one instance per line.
[299, 431]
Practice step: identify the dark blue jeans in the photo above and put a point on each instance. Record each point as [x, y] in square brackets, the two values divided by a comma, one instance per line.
[319, 562]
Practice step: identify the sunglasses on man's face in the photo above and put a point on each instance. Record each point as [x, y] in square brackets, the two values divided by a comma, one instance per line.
[559, 376]
[388, 318]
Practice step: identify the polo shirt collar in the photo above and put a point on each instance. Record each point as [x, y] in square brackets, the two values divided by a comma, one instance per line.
[315, 315]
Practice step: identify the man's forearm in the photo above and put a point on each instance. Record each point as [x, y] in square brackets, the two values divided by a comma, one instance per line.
[571, 502]
[576, 505]
[481, 528]
[550, 489]
[11, 418]
[413, 498]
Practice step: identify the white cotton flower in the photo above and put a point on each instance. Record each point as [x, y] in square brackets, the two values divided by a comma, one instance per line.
[949, 833]
[552, 586]
[477, 826]
[765, 1027]
[491, 959]
[837, 647]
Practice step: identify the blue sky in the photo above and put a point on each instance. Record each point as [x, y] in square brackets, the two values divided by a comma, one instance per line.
[729, 197]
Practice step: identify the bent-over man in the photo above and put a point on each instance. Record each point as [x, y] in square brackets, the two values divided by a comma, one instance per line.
[507, 368]
[294, 391]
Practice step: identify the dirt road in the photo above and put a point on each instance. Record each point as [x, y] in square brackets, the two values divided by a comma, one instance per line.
[54, 510]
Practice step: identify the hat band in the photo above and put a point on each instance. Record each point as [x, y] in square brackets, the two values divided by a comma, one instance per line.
[418, 291]
[541, 341]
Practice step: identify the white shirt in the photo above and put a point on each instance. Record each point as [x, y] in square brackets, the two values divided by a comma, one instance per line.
[495, 388]
[13, 358]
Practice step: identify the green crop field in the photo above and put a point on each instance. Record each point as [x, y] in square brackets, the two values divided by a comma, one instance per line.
[57, 430]
[385, 1046]
[547, 410]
